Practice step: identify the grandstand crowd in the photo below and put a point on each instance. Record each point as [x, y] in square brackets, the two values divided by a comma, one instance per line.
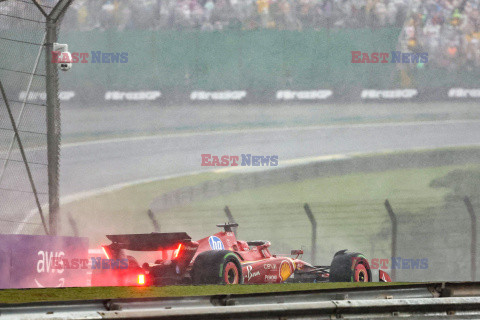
[449, 30]
[245, 14]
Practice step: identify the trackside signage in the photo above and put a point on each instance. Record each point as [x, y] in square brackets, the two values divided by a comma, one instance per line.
[42, 96]
[158, 96]
[463, 93]
[389, 94]
[289, 95]
[29, 261]
[132, 95]
[218, 95]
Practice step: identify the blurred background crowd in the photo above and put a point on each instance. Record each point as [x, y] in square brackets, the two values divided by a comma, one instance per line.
[245, 14]
[449, 30]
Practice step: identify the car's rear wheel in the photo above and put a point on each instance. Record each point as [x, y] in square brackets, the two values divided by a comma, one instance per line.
[350, 267]
[217, 267]
[360, 274]
[231, 273]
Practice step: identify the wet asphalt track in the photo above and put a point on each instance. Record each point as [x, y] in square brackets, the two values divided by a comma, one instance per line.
[100, 164]
[89, 167]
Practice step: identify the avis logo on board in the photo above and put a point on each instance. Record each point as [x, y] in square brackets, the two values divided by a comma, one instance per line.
[215, 243]
[45, 264]
[46, 261]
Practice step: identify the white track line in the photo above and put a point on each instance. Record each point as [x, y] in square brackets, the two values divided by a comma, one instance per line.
[260, 130]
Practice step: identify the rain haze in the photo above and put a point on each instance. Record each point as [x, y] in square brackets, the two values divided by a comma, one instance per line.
[352, 122]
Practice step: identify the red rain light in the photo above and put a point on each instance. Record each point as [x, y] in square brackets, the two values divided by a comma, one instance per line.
[141, 279]
[177, 251]
[105, 251]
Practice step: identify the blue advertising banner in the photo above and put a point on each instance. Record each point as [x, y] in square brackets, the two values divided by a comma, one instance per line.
[37, 261]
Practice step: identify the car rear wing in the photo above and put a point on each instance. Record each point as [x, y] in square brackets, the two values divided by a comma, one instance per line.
[148, 241]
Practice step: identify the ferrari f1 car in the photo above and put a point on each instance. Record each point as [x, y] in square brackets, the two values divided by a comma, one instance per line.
[217, 259]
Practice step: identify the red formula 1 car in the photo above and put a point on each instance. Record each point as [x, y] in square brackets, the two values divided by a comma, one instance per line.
[217, 259]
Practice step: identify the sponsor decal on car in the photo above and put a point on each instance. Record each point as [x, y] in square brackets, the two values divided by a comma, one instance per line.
[270, 266]
[251, 274]
[215, 243]
[285, 270]
[270, 277]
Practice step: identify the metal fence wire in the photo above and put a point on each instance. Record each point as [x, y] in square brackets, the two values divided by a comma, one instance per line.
[23, 74]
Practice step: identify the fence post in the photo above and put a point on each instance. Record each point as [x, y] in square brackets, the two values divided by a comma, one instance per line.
[314, 231]
[156, 226]
[473, 244]
[393, 218]
[230, 218]
[53, 111]
[53, 127]
[73, 225]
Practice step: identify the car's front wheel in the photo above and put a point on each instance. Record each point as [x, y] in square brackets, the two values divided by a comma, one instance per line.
[350, 267]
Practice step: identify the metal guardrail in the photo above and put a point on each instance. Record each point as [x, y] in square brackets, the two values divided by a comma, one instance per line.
[433, 301]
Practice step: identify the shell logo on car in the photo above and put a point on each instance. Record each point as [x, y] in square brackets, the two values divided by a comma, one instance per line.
[285, 270]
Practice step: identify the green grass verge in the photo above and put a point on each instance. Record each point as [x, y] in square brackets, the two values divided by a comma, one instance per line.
[67, 294]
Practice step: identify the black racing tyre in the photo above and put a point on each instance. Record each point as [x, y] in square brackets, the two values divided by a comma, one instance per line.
[350, 267]
[217, 267]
